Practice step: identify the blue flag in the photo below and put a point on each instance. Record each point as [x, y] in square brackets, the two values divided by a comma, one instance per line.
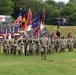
[36, 21]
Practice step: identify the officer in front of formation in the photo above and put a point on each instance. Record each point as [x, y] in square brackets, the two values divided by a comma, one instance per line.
[44, 45]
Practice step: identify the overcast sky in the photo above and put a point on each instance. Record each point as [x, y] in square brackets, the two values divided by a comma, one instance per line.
[62, 0]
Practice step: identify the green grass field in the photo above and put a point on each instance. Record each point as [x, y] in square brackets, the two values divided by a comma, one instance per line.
[56, 64]
[64, 30]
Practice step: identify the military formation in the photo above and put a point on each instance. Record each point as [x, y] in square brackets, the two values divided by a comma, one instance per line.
[36, 46]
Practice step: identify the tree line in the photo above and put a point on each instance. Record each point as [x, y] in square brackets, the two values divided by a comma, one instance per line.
[53, 9]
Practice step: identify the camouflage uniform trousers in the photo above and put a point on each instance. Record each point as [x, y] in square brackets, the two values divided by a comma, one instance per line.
[27, 49]
[70, 46]
[34, 49]
[30, 49]
[22, 50]
[37, 49]
[52, 48]
[7, 50]
[15, 51]
[44, 52]
[61, 48]
[56, 48]
[1, 49]
[74, 44]
[41, 51]
[49, 49]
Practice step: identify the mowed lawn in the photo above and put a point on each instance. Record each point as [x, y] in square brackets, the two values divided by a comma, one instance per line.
[56, 64]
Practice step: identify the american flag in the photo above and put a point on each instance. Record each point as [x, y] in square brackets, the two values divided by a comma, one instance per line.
[18, 20]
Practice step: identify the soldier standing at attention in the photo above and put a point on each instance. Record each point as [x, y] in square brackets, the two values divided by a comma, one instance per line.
[74, 42]
[30, 46]
[44, 44]
[34, 46]
[56, 44]
[7, 40]
[52, 45]
[49, 45]
[70, 44]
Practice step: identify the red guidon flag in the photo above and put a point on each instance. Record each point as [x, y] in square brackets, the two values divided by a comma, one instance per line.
[43, 16]
[29, 17]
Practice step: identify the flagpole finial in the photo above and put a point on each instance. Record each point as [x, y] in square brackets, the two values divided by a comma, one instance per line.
[20, 8]
[43, 9]
[29, 8]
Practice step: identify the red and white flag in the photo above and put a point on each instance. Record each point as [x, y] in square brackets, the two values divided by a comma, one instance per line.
[29, 17]
[43, 16]
[18, 20]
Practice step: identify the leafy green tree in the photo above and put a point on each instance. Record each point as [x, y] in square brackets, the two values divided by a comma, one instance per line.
[72, 19]
[60, 4]
[73, 1]
[51, 2]
[68, 12]
[6, 7]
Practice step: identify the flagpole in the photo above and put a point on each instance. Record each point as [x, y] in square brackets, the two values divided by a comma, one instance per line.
[21, 20]
[29, 21]
[9, 28]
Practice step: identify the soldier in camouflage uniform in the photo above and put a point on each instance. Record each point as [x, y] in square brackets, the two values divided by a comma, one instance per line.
[41, 48]
[44, 45]
[11, 45]
[52, 45]
[49, 45]
[30, 46]
[1, 45]
[15, 49]
[5, 46]
[27, 46]
[34, 46]
[56, 44]
[74, 42]
[62, 45]
[70, 44]
[8, 48]
[20, 46]
[37, 46]
[16, 42]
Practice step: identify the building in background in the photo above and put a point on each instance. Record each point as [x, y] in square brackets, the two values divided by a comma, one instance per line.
[5, 22]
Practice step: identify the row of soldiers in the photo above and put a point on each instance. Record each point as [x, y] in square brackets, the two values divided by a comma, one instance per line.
[35, 46]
